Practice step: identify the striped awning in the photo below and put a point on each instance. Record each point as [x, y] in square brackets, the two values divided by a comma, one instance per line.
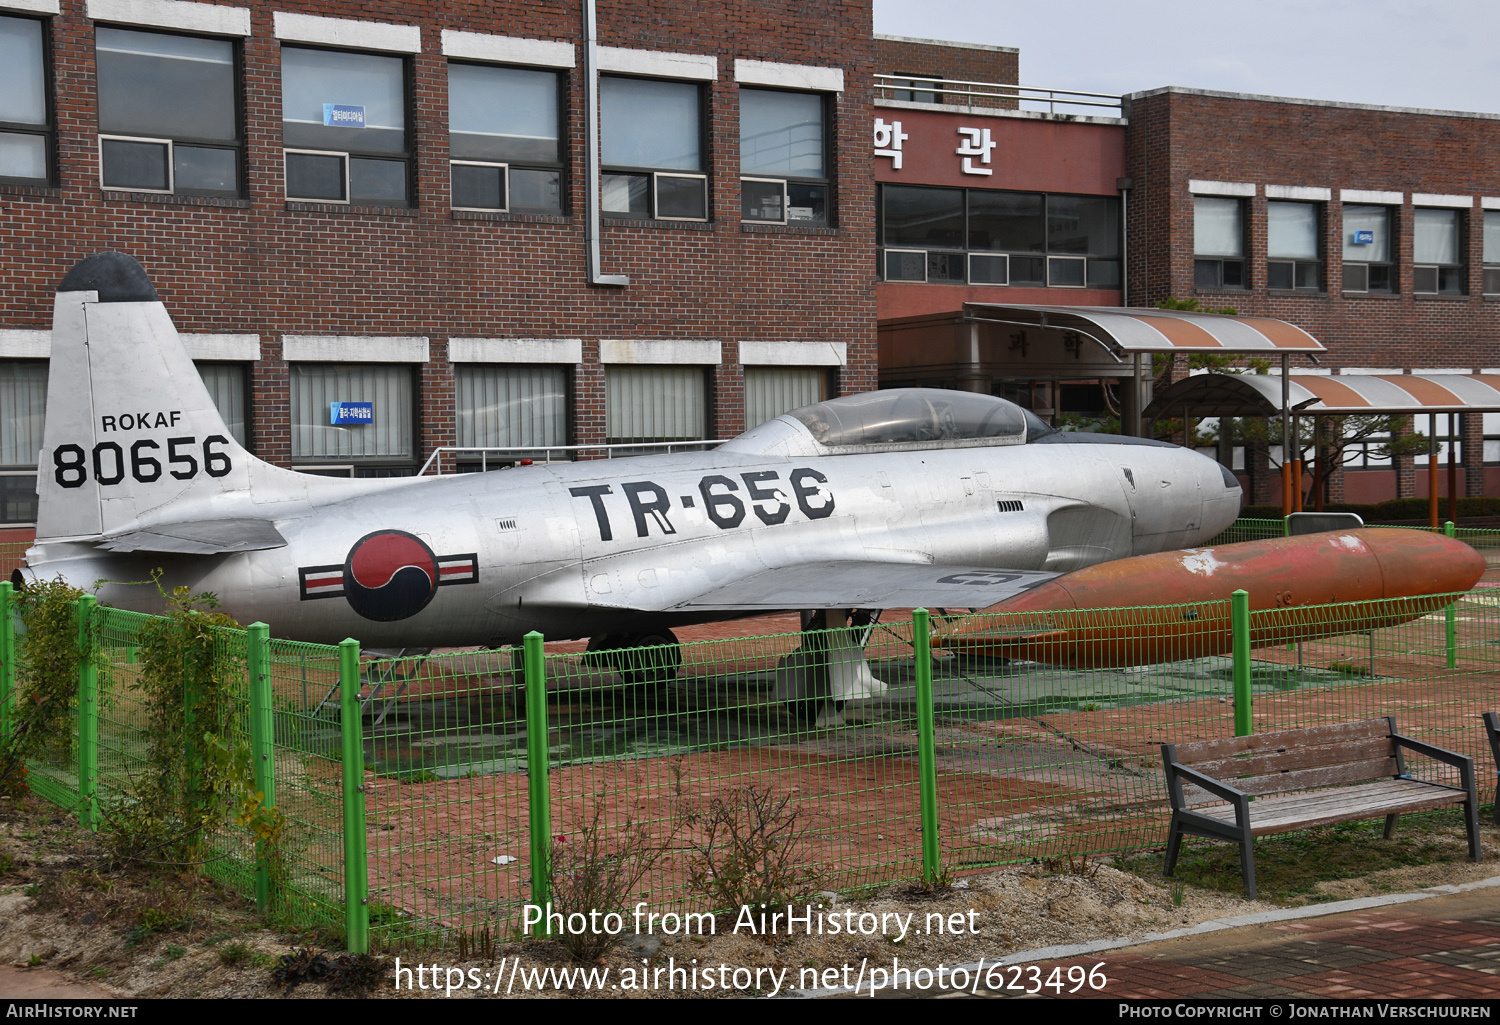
[1127, 330]
[1347, 394]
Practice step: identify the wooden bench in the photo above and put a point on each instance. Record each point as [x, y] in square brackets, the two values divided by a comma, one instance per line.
[1492, 731]
[1243, 787]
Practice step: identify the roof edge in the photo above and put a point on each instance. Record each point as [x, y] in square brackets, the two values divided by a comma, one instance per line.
[1341, 104]
[881, 37]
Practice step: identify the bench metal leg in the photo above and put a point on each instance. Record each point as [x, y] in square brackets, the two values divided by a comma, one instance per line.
[1247, 866]
[1174, 844]
[1471, 819]
[1390, 825]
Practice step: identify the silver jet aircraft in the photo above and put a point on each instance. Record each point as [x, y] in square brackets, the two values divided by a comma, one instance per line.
[890, 499]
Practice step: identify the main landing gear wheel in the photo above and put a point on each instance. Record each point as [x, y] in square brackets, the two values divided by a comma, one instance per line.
[647, 657]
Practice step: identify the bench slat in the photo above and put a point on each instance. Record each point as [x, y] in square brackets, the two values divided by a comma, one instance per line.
[1373, 800]
[1290, 758]
[1265, 743]
[1307, 779]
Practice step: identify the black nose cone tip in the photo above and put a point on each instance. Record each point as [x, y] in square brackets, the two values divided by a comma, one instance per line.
[117, 278]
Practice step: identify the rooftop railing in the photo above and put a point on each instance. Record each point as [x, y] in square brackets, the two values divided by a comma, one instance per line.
[955, 92]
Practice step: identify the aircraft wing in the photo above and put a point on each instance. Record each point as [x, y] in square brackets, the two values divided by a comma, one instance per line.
[197, 537]
[865, 585]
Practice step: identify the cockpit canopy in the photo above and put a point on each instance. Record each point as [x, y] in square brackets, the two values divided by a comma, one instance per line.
[901, 418]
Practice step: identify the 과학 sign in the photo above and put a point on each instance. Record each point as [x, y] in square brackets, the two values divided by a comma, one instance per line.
[1364, 238]
[344, 413]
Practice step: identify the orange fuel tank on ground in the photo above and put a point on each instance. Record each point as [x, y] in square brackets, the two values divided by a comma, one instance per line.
[1174, 605]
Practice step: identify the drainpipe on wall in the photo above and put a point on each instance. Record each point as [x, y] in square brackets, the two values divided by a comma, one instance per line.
[591, 151]
[1124, 185]
[1131, 413]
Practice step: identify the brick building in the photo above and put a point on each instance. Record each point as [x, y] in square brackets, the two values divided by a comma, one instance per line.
[390, 203]
[387, 202]
[1376, 230]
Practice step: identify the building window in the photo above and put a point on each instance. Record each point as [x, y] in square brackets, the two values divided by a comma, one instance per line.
[1492, 252]
[503, 129]
[381, 447]
[168, 113]
[783, 157]
[25, 117]
[23, 409]
[1219, 242]
[1367, 249]
[1294, 255]
[343, 124]
[228, 385]
[987, 237]
[1437, 251]
[655, 403]
[651, 146]
[520, 406]
[903, 88]
[771, 391]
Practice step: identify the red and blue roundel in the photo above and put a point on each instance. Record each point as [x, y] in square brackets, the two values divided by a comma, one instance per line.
[388, 575]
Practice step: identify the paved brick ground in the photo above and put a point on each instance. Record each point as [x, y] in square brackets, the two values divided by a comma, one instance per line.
[1445, 947]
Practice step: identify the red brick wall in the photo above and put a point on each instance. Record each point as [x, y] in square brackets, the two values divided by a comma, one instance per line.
[263, 265]
[1178, 136]
[998, 65]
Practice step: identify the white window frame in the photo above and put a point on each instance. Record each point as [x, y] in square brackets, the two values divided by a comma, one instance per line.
[504, 208]
[287, 180]
[657, 176]
[171, 165]
[1084, 260]
[1005, 257]
[884, 269]
[785, 199]
[1436, 269]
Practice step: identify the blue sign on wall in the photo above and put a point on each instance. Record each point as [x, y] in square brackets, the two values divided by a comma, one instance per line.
[351, 413]
[341, 115]
[1364, 238]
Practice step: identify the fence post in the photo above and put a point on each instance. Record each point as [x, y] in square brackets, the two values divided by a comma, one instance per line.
[352, 754]
[7, 661]
[538, 772]
[1450, 617]
[921, 637]
[262, 746]
[88, 713]
[1239, 618]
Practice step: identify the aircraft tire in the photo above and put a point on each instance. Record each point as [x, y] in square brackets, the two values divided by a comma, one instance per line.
[654, 657]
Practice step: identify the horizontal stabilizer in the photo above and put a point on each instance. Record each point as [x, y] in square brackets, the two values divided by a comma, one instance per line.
[866, 585]
[201, 537]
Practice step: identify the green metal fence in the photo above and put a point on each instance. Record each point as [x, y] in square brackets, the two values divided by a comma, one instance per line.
[435, 796]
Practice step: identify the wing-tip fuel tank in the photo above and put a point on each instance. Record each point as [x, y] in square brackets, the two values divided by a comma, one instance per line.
[1116, 614]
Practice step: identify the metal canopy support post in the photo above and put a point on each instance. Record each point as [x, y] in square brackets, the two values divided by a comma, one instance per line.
[1452, 469]
[1432, 472]
[1133, 401]
[1286, 434]
[1319, 467]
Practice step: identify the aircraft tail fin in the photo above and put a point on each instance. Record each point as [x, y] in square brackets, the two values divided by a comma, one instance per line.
[130, 425]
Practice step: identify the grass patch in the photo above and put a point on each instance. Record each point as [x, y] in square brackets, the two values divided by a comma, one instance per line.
[1289, 867]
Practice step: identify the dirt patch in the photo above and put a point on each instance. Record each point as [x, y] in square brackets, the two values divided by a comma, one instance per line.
[179, 936]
